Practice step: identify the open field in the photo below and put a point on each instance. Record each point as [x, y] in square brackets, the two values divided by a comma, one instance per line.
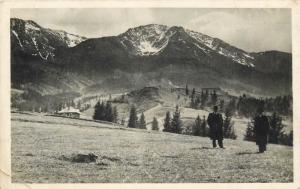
[131, 155]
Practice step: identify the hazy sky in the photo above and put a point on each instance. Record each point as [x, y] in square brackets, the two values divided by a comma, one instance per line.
[249, 29]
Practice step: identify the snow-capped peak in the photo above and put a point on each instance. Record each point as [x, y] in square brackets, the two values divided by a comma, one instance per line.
[152, 39]
[145, 40]
[38, 41]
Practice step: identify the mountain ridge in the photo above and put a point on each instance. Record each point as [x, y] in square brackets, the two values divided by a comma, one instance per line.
[153, 53]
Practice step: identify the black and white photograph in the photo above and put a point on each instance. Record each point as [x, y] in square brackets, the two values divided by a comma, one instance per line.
[151, 95]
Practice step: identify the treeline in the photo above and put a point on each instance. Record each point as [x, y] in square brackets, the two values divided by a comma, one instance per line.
[198, 128]
[277, 134]
[106, 112]
[203, 100]
[174, 124]
[32, 101]
[247, 106]
[243, 105]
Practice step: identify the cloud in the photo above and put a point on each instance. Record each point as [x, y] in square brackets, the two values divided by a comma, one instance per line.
[249, 30]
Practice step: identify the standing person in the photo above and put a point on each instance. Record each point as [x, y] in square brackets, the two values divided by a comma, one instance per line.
[215, 123]
[261, 130]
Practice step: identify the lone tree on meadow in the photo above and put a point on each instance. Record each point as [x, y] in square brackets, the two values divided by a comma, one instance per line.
[155, 124]
[229, 126]
[133, 119]
[176, 123]
[249, 135]
[196, 130]
[142, 122]
[204, 128]
[167, 122]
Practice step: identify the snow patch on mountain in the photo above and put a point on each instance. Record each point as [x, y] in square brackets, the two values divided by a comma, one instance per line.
[204, 39]
[202, 48]
[71, 39]
[29, 26]
[15, 33]
[146, 47]
[249, 56]
[145, 40]
[236, 55]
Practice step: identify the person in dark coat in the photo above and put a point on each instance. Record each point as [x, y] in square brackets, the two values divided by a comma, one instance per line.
[215, 123]
[261, 130]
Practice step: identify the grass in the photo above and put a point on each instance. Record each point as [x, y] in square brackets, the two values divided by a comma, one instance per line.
[132, 155]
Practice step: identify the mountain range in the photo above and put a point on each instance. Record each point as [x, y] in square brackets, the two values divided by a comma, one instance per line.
[49, 62]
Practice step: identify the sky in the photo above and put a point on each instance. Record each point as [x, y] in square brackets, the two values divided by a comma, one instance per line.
[252, 30]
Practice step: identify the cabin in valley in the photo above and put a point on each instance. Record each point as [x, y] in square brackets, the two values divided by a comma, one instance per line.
[69, 112]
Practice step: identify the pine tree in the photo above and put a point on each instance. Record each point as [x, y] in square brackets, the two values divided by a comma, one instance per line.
[204, 128]
[123, 121]
[250, 131]
[102, 108]
[187, 90]
[228, 126]
[193, 93]
[115, 114]
[155, 124]
[196, 130]
[222, 105]
[78, 105]
[202, 97]
[72, 103]
[198, 101]
[176, 123]
[142, 122]
[133, 119]
[276, 128]
[214, 98]
[97, 111]
[193, 103]
[167, 122]
[108, 112]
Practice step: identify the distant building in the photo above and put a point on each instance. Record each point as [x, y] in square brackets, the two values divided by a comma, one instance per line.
[69, 112]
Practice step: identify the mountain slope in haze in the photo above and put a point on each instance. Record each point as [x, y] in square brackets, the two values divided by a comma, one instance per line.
[152, 54]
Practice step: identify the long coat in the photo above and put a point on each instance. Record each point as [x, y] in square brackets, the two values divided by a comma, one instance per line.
[261, 129]
[215, 123]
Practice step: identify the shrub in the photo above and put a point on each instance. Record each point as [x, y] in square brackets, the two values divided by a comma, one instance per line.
[155, 124]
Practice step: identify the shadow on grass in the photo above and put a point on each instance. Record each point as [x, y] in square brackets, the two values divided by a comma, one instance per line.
[246, 153]
[170, 156]
[202, 148]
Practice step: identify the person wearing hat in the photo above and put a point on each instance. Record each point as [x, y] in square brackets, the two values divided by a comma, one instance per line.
[261, 130]
[215, 123]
